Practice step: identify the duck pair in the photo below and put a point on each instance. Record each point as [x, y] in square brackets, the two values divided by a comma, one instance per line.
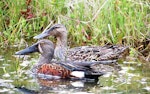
[78, 62]
[82, 53]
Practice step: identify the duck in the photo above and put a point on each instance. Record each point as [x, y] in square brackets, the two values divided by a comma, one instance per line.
[53, 69]
[81, 53]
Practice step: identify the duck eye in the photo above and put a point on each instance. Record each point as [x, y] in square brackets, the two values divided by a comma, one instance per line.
[52, 28]
[55, 27]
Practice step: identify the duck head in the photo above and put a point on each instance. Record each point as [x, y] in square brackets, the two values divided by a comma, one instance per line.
[60, 32]
[57, 30]
[44, 47]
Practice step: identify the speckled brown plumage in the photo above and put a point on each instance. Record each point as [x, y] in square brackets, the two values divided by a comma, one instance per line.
[97, 53]
[82, 53]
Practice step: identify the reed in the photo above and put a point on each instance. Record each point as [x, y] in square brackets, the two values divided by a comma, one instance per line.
[89, 22]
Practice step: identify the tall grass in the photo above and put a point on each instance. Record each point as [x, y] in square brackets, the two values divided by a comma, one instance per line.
[88, 21]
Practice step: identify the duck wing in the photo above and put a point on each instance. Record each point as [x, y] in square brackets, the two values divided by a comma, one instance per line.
[97, 53]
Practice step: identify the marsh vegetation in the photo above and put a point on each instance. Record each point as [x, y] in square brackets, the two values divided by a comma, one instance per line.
[89, 22]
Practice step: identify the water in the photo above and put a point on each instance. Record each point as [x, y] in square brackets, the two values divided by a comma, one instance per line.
[15, 77]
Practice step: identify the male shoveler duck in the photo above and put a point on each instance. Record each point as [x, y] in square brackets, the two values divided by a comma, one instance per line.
[83, 53]
[61, 69]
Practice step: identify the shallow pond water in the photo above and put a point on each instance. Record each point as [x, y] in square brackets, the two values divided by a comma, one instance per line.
[15, 77]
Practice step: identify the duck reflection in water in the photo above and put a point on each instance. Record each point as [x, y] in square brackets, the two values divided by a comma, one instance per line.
[64, 86]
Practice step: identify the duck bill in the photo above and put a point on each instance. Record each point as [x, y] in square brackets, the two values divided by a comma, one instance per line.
[44, 34]
[28, 50]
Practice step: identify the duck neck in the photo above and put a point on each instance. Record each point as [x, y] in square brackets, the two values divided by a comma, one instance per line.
[61, 42]
[61, 47]
[45, 59]
[42, 60]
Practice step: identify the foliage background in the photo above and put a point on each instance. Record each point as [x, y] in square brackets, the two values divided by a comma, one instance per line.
[89, 22]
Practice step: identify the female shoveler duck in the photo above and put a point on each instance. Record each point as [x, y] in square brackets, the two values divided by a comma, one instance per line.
[83, 53]
[61, 69]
